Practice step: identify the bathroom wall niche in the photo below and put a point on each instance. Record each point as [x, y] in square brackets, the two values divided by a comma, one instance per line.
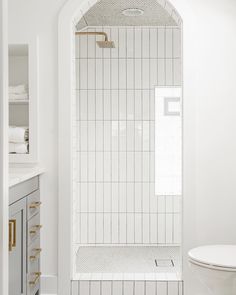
[23, 101]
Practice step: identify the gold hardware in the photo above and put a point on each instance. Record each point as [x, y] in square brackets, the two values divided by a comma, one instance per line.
[35, 229]
[37, 252]
[93, 33]
[10, 236]
[12, 243]
[35, 205]
[37, 276]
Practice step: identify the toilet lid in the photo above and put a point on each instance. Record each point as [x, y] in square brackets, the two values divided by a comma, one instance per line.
[216, 255]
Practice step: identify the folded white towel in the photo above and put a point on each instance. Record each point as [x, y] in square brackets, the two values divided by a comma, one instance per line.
[18, 134]
[18, 89]
[18, 148]
[22, 96]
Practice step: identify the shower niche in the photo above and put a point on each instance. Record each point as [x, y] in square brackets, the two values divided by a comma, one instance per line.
[127, 202]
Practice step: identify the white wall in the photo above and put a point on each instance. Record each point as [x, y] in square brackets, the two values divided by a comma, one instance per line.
[210, 103]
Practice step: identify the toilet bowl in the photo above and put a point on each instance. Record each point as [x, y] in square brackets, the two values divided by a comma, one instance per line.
[215, 267]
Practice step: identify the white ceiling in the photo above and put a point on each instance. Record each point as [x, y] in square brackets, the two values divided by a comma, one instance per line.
[109, 13]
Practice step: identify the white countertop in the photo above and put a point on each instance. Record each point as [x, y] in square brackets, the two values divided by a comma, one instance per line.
[20, 174]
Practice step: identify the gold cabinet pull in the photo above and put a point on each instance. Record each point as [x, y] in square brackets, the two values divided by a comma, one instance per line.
[34, 229]
[37, 251]
[35, 205]
[12, 242]
[37, 276]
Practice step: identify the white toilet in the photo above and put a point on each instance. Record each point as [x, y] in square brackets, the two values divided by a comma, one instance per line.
[215, 267]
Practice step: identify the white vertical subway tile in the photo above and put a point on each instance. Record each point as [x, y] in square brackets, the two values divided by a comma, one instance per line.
[91, 197]
[130, 104]
[95, 288]
[145, 42]
[114, 228]
[139, 288]
[169, 228]
[91, 105]
[107, 105]
[153, 42]
[92, 227]
[138, 228]
[146, 105]
[122, 43]
[122, 104]
[130, 197]
[91, 136]
[115, 197]
[161, 72]
[122, 74]
[91, 73]
[146, 229]
[146, 135]
[83, 81]
[152, 105]
[106, 287]
[177, 72]
[146, 197]
[122, 166]
[84, 166]
[130, 135]
[138, 73]
[138, 135]
[153, 73]
[99, 197]
[173, 288]
[145, 167]
[91, 45]
[83, 46]
[169, 72]
[115, 135]
[153, 229]
[130, 166]
[84, 228]
[99, 228]
[138, 43]
[99, 105]
[122, 136]
[162, 288]
[107, 228]
[130, 228]
[107, 74]
[107, 197]
[83, 288]
[177, 43]
[169, 43]
[146, 73]
[169, 204]
[130, 42]
[161, 204]
[150, 288]
[115, 105]
[115, 38]
[107, 166]
[107, 52]
[161, 43]
[177, 229]
[99, 73]
[130, 74]
[161, 229]
[152, 166]
[138, 197]
[84, 197]
[75, 288]
[83, 135]
[122, 197]
[99, 136]
[114, 74]
[107, 135]
[99, 167]
[91, 166]
[122, 228]
[83, 104]
[138, 105]
[117, 288]
[138, 166]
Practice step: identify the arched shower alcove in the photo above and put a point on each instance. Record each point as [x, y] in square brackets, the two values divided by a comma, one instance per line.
[78, 15]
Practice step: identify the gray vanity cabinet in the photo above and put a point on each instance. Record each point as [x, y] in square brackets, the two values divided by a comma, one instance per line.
[24, 238]
[17, 248]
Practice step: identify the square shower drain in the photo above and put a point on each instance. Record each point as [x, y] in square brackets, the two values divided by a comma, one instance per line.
[164, 263]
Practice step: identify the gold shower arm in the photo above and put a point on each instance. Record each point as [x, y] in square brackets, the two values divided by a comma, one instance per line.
[93, 33]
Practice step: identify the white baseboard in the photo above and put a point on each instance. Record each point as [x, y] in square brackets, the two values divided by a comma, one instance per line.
[48, 285]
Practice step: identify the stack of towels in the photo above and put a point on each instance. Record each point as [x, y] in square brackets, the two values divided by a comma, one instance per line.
[19, 92]
[18, 140]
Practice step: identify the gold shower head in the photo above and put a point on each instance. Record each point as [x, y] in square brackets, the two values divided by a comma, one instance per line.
[106, 44]
[102, 44]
